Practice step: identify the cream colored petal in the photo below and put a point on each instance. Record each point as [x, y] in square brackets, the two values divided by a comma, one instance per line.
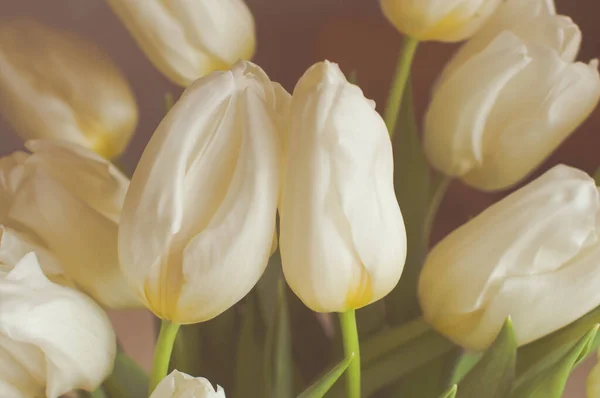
[72, 332]
[46, 76]
[536, 231]
[238, 239]
[456, 120]
[164, 40]
[88, 176]
[342, 235]
[562, 98]
[22, 369]
[181, 385]
[83, 240]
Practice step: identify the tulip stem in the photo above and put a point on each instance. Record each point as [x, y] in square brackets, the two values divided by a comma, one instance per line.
[439, 191]
[351, 347]
[162, 353]
[403, 67]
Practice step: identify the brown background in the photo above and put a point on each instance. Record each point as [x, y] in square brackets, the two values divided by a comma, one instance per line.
[293, 34]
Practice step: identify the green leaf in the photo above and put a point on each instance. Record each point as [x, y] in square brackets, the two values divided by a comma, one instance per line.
[465, 363]
[99, 393]
[451, 393]
[320, 387]
[494, 374]
[550, 383]
[388, 340]
[249, 376]
[412, 183]
[127, 380]
[400, 362]
[536, 356]
[278, 355]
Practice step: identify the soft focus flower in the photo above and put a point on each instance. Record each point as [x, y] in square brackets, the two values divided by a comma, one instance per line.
[53, 339]
[181, 385]
[510, 97]
[342, 236]
[189, 39]
[64, 202]
[439, 20]
[56, 85]
[593, 382]
[199, 217]
[534, 256]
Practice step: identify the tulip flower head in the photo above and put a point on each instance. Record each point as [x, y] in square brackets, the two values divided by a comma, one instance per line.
[342, 236]
[199, 217]
[56, 85]
[53, 339]
[185, 39]
[510, 97]
[532, 256]
[438, 20]
[63, 202]
[181, 385]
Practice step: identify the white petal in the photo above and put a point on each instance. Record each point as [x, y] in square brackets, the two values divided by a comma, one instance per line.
[537, 230]
[342, 235]
[181, 385]
[83, 240]
[456, 119]
[72, 332]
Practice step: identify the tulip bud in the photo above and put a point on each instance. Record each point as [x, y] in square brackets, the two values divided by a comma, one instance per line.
[199, 217]
[510, 97]
[342, 236]
[532, 256]
[180, 385]
[71, 199]
[436, 20]
[56, 85]
[54, 339]
[186, 40]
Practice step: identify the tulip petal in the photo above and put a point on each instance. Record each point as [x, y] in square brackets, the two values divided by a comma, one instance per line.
[533, 234]
[83, 240]
[457, 117]
[72, 332]
[178, 384]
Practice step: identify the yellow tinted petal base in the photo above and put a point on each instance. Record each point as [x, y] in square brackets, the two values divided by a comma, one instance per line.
[362, 293]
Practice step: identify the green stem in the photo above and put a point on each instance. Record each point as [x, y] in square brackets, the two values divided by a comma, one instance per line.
[351, 346]
[394, 102]
[162, 353]
[434, 205]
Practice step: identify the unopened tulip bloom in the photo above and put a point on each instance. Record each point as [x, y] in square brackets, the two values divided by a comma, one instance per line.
[510, 97]
[532, 256]
[438, 20]
[70, 200]
[53, 339]
[199, 217]
[54, 84]
[185, 39]
[342, 236]
[181, 385]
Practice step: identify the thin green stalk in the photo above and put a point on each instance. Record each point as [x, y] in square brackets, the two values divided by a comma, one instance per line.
[351, 347]
[162, 353]
[394, 102]
[434, 205]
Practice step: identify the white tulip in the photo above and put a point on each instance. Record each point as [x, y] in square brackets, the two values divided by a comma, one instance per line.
[439, 20]
[342, 236]
[181, 385]
[70, 199]
[186, 39]
[532, 256]
[56, 85]
[199, 217]
[53, 339]
[510, 97]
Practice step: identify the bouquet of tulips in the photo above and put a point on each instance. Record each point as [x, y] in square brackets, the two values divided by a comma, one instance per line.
[283, 240]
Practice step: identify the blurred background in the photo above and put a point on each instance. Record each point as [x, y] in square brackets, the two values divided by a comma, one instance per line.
[292, 35]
